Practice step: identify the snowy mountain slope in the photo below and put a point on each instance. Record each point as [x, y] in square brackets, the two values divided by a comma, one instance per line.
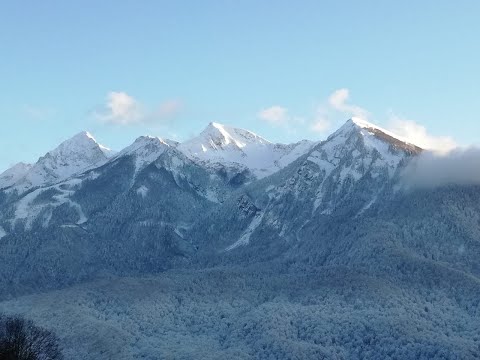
[71, 157]
[232, 154]
[238, 147]
[14, 174]
[218, 146]
[348, 172]
[355, 167]
[213, 203]
[356, 152]
[145, 150]
[420, 238]
[392, 139]
[117, 217]
[40, 206]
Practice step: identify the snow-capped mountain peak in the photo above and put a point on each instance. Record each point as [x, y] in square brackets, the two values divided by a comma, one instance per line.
[85, 136]
[146, 149]
[372, 134]
[227, 145]
[81, 141]
[13, 174]
[364, 123]
[358, 138]
[146, 141]
[82, 149]
[71, 157]
[222, 137]
[357, 153]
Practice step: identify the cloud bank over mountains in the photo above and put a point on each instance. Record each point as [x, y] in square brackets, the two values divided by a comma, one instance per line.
[431, 170]
[418, 135]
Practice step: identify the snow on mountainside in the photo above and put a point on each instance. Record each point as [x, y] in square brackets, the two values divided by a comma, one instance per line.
[358, 165]
[368, 129]
[357, 151]
[145, 149]
[228, 145]
[71, 157]
[358, 158]
[15, 173]
[37, 207]
[367, 147]
[218, 145]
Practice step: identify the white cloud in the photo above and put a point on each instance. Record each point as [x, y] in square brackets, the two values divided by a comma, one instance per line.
[276, 115]
[417, 134]
[338, 102]
[123, 109]
[335, 110]
[325, 114]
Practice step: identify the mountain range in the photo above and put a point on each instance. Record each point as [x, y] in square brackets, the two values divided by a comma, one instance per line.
[305, 230]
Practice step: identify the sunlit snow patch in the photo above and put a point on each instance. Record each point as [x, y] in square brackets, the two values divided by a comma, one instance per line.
[142, 191]
[3, 233]
[245, 238]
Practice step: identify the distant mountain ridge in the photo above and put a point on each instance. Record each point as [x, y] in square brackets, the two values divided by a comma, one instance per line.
[69, 158]
[345, 175]
[223, 177]
[235, 157]
[216, 144]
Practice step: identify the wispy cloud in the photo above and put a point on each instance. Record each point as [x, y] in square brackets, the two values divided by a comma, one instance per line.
[123, 109]
[337, 106]
[334, 107]
[276, 115]
[338, 101]
[417, 134]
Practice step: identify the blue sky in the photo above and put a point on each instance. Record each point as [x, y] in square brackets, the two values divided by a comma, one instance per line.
[286, 70]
